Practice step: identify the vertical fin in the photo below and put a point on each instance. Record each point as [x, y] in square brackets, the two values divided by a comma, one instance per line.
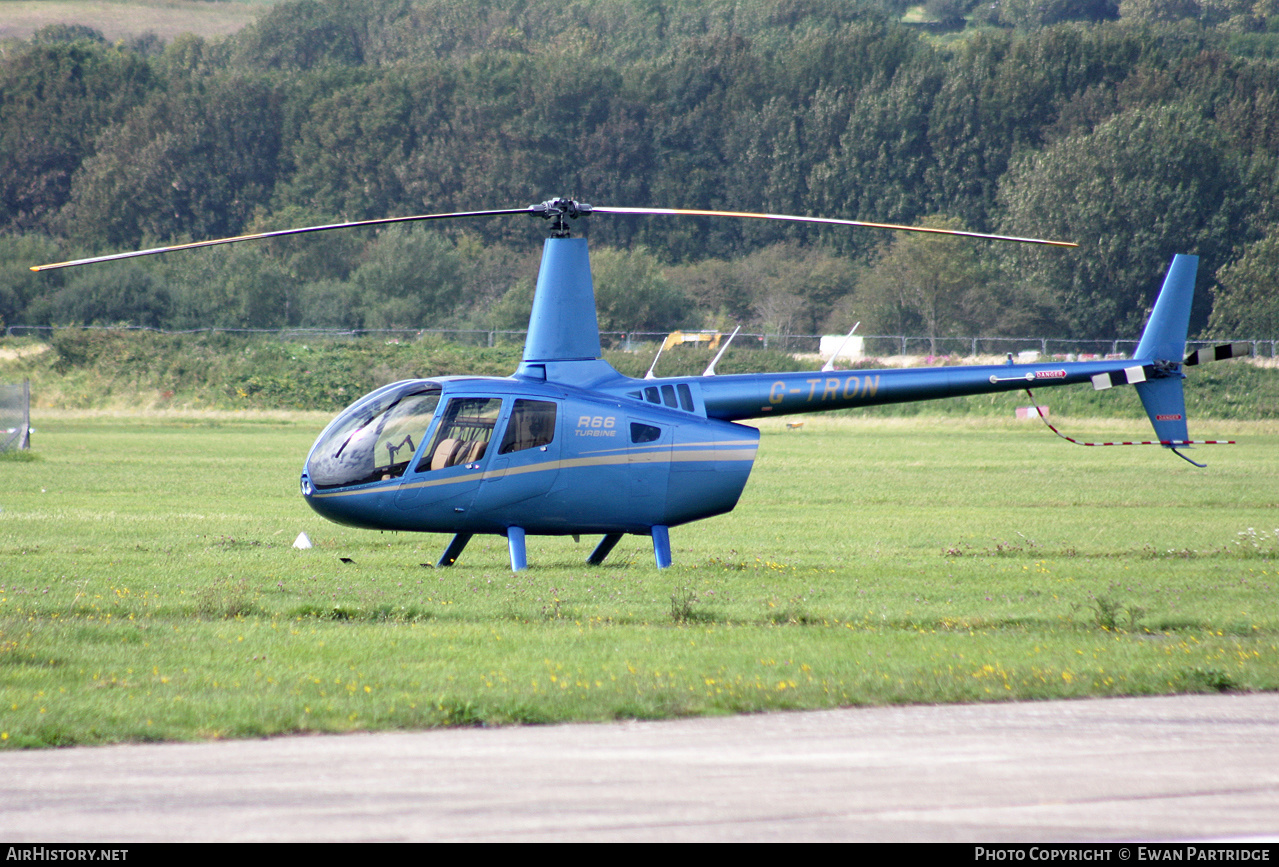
[1163, 343]
[1166, 406]
[1165, 336]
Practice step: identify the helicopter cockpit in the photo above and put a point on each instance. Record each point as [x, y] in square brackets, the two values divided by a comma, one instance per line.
[374, 439]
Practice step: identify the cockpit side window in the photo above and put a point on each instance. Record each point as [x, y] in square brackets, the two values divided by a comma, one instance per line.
[464, 433]
[395, 445]
[532, 424]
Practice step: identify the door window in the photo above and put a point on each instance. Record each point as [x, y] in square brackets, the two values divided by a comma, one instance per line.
[532, 424]
[464, 433]
[645, 433]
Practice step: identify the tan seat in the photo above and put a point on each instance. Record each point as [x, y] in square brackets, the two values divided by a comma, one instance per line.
[445, 453]
[472, 452]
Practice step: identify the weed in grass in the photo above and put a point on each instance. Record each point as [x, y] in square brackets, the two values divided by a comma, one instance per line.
[553, 606]
[518, 713]
[1135, 613]
[1106, 612]
[1206, 678]
[1247, 543]
[1250, 543]
[1109, 614]
[460, 713]
[228, 543]
[684, 604]
[1170, 553]
[1002, 549]
[335, 612]
[727, 565]
[227, 599]
[792, 612]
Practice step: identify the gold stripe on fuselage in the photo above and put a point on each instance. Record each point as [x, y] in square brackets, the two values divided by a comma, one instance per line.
[712, 452]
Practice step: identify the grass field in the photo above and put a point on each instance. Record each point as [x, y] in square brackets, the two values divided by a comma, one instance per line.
[149, 590]
[124, 19]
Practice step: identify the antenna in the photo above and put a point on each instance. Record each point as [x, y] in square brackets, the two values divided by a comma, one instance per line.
[830, 365]
[650, 375]
[710, 368]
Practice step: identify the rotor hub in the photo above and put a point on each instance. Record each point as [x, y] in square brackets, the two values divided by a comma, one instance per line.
[560, 210]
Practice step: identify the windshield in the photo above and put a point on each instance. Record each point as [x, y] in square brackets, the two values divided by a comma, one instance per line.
[375, 438]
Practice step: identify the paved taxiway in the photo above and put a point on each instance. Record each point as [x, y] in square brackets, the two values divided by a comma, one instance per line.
[1166, 768]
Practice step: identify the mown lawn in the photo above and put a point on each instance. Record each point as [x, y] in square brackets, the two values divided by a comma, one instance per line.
[149, 590]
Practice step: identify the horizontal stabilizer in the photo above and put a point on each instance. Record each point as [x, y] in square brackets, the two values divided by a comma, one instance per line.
[1127, 376]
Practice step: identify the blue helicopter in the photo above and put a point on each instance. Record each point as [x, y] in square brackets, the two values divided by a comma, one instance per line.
[568, 446]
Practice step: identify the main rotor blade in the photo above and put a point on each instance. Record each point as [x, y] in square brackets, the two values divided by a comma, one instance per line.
[829, 221]
[280, 233]
[546, 211]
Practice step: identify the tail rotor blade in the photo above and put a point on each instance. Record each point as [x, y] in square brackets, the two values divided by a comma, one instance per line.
[1220, 352]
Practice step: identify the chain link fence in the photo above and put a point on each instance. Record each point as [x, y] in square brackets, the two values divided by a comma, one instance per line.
[874, 345]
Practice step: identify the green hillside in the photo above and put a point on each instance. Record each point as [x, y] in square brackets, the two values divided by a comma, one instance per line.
[1137, 130]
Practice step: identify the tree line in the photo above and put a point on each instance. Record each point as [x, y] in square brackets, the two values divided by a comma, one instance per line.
[1137, 129]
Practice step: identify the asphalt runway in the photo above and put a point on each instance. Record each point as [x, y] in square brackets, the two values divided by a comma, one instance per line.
[1188, 768]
